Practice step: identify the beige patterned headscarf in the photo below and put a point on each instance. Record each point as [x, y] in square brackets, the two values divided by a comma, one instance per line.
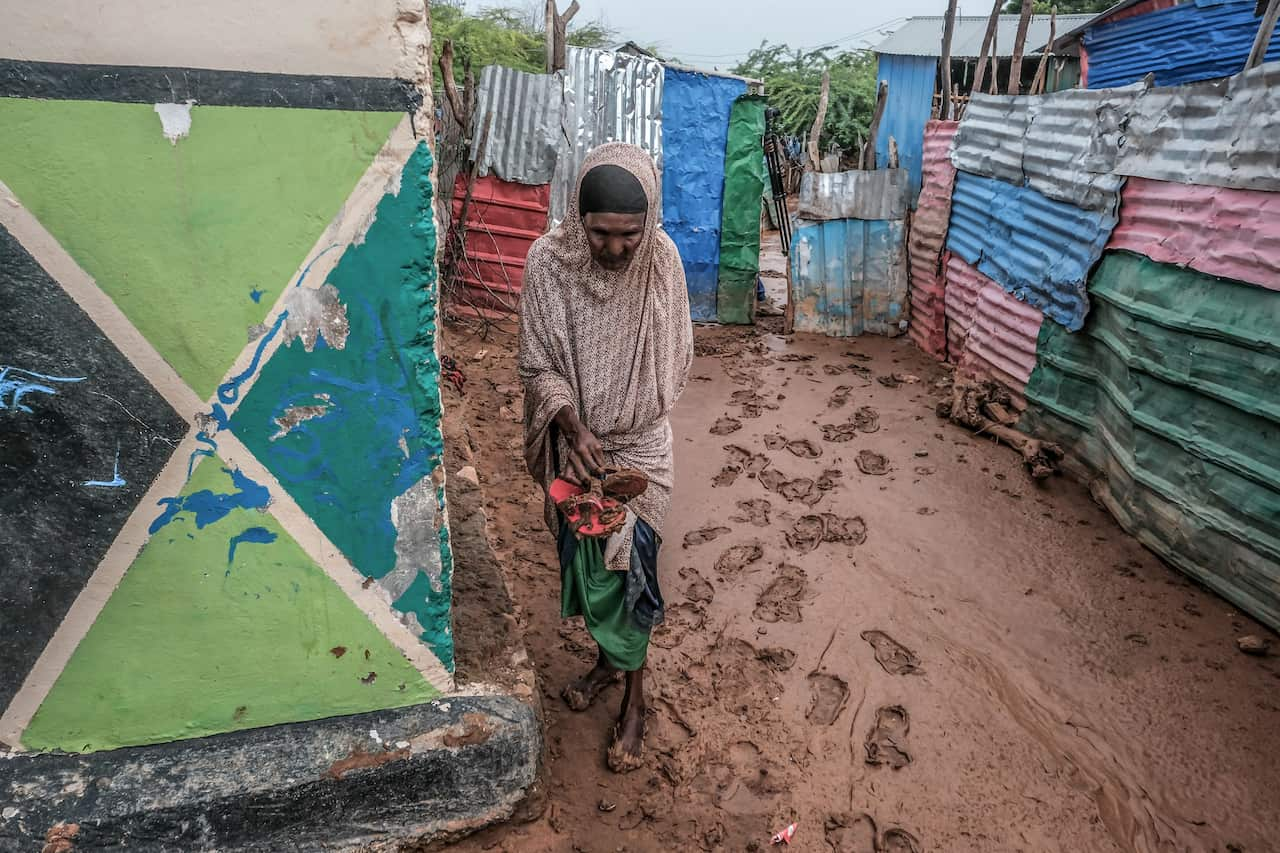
[616, 346]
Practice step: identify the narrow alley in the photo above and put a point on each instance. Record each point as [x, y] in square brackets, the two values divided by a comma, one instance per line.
[880, 626]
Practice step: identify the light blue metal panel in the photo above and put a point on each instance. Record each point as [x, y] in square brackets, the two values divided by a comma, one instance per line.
[849, 276]
[1038, 249]
[911, 82]
[1182, 44]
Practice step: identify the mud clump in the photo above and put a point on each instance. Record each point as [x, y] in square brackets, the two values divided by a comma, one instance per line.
[725, 426]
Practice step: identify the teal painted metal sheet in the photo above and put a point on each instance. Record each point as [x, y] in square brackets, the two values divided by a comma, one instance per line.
[911, 82]
[849, 276]
[1166, 404]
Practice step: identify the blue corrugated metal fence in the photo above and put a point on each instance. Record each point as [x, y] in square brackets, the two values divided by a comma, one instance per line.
[911, 82]
[849, 276]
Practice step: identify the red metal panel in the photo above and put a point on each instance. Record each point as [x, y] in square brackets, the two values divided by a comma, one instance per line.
[1224, 232]
[1136, 10]
[503, 220]
[928, 234]
[963, 284]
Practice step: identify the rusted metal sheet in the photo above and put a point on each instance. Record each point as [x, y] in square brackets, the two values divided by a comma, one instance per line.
[1220, 231]
[926, 240]
[1038, 249]
[963, 284]
[1061, 144]
[849, 276]
[523, 112]
[1000, 341]
[859, 194]
[608, 97]
[503, 220]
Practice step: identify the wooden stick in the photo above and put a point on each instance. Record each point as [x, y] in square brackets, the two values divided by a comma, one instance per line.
[1019, 44]
[816, 131]
[882, 95]
[988, 43]
[461, 114]
[1263, 40]
[562, 36]
[893, 153]
[995, 63]
[1037, 84]
[551, 36]
[948, 30]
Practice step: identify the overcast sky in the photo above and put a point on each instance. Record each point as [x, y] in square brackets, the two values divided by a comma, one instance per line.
[718, 33]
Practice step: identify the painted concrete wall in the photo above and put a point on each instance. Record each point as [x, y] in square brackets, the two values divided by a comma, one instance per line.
[219, 398]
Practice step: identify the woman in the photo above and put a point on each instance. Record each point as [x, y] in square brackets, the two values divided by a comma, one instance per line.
[605, 349]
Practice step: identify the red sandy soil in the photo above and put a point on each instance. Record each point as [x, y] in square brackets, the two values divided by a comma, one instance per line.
[1047, 683]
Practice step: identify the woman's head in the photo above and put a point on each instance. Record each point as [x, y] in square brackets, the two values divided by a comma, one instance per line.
[613, 205]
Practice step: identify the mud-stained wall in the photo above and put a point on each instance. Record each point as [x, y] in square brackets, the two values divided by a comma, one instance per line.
[219, 398]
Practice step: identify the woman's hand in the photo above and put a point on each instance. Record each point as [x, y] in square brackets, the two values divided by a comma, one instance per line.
[586, 453]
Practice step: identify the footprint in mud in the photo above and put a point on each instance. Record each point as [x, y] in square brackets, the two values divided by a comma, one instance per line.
[754, 512]
[898, 840]
[703, 535]
[776, 658]
[839, 397]
[839, 433]
[699, 588]
[810, 531]
[743, 683]
[893, 657]
[867, 419]
[834, 369]
[890, 381]
[773, 441]
[827, 697]
[781, 599]
[801, 489]
[804, 448]
[754, 784]
[752, 463]
[870, 462]
[681, 619]
[829, 478]
[887, 741]
[806, 533]
[926, 470]
[726, 425]
[727, 477]
[851, 833]
[737, 558]
[793, 356]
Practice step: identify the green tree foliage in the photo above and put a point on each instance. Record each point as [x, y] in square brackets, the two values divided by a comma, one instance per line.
[1065, 7]
[793, 82]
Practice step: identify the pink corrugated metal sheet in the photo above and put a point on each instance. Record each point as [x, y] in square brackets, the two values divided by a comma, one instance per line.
[992, 334]
[928, 235]
[503, 220]
[1225, 232]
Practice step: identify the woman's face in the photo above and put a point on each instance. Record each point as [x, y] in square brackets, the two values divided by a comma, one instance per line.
[614, 238]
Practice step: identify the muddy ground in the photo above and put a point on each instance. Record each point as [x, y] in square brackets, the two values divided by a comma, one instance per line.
[880, 629]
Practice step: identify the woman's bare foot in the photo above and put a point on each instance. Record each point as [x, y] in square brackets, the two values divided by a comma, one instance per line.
[626, 753]
[580, 694]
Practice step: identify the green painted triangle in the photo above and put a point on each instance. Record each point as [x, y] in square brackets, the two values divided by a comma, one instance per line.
[196, 642]
[181, 236]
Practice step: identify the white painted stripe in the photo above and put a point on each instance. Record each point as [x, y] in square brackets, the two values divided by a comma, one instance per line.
[373, 601]
[89, 603]
[81, 287]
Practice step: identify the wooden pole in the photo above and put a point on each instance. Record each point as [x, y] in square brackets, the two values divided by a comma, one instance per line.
[1042, 70]
[815, 133]
[562, 36]
[882, 95]
[1263, 38]
[995, 63]
[988, 44]
[551, 36]
[948, 30]
[461, 114]
[1019, 44]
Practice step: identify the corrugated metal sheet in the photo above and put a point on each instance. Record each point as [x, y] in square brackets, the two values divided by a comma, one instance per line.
[922, 35]
[906, 111]
[1000, 339]
[695, 130]
[1038, 249]
[1183, 44]
[860, 194]
[1062, 144]
[524, 112]
[1222, 133]
[1167, 405]
[608, 97]
[849, 276]
[1115, 13]
[503, 220]
[963, 284]
[927, 237]
[1225, 232]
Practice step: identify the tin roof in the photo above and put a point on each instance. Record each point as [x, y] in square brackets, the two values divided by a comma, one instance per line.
[922, 36]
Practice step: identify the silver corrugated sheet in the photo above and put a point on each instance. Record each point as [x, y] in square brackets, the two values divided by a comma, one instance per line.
[878, 194]
[922, 35]
[608, 97]
[524, 115]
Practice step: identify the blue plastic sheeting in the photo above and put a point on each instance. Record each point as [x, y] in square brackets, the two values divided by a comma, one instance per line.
[695, 127]
[1182, 44]
[849, 276]
[1038, 249]
[911, 82]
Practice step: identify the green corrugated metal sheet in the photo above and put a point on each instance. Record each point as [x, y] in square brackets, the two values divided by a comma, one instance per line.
[1167, 403]
[744, 177]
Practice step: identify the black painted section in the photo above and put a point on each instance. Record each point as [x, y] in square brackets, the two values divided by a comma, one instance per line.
[54, 529]
[291, 787]
[151, 85]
